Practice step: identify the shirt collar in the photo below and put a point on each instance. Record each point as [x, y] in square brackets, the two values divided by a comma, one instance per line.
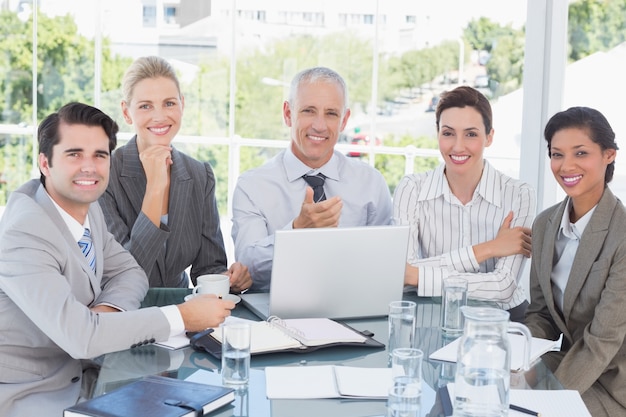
[76, 229]
[295, 168]
[574, 230]
[488, 186]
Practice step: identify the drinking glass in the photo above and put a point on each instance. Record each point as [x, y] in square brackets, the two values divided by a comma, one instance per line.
[236, 353]
[401, 325]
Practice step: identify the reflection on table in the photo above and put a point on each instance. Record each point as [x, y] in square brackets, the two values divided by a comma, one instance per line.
[123, 367]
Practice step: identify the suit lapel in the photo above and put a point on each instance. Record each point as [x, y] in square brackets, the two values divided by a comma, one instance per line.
[132, 176]
[590, 244]
[547, 262]
[181, 185]
[46, 203]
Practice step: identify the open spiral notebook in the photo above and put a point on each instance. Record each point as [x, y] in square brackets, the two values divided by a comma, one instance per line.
[297, 335]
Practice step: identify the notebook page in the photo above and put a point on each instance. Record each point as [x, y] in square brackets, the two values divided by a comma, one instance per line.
[300, 382]
[556, 403]
[264, 338]
[548, 403]
[363, 382]
[318, 331]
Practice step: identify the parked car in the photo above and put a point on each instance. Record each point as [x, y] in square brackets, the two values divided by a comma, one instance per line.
[432, 104]
[362, 139]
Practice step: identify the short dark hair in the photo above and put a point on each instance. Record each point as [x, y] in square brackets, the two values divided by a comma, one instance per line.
[73, 114]
[590, 120]
[465, 96]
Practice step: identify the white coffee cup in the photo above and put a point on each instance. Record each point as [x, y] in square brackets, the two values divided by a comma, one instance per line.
[217, 284]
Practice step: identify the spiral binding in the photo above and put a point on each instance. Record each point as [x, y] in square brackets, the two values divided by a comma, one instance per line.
[279, 323]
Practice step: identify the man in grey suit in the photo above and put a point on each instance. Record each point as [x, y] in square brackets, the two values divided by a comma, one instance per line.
[58, 304]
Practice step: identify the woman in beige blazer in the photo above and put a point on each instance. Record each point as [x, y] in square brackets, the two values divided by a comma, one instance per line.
[578, 267]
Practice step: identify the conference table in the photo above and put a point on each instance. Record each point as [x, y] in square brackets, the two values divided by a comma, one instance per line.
[120, 368]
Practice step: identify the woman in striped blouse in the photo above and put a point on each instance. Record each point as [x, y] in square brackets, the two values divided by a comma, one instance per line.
[467, 219]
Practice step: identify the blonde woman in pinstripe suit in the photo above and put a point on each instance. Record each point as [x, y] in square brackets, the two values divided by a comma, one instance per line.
[467, 219]
[160, 203]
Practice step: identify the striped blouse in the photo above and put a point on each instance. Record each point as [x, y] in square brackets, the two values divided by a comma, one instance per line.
[443, 231]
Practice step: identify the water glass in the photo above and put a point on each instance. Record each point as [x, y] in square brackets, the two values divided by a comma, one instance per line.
[401, 325]
[407, 362]
[236, 353]
[403, 401]
[453, 297]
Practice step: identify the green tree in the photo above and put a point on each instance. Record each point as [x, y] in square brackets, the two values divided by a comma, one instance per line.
[506, 64]
[505, 45]
[483, 34]
[65, 73]
[415, 68]
[595, 25]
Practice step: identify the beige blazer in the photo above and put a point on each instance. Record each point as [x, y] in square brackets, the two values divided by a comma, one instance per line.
[46, 289]
[593, 320]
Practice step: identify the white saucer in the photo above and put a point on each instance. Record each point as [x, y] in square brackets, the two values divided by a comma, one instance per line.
[230, 297]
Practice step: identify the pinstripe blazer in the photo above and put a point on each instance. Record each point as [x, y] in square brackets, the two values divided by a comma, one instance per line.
[192, 235]
[593, 320]
[46, 287]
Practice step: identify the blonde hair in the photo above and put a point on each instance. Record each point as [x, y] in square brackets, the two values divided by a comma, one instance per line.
[143, 68]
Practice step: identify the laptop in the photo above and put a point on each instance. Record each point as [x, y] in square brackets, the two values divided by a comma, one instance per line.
[338, 273]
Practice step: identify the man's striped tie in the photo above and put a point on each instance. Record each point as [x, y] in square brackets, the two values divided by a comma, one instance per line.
[317, 183]
[86, 245]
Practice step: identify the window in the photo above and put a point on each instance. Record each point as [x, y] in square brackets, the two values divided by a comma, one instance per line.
[170, 15]
[149, 16]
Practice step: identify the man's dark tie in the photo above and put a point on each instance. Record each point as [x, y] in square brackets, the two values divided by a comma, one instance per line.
[86, 245]
[317, 183]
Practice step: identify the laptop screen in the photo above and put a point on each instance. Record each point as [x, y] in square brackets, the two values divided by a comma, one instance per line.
[337, 272]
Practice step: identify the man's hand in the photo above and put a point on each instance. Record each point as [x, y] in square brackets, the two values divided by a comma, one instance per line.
[323, 214]
[240, 278]
[204, 311]
[509, 241]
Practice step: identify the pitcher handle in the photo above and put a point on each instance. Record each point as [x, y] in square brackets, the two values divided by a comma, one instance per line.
[515, 327]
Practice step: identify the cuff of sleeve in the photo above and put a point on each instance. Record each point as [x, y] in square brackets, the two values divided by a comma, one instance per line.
[173, 316]
[462, 260]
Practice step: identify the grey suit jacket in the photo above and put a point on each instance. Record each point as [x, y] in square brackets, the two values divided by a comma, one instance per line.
[192, 235]
[593, 320]
[46, 289]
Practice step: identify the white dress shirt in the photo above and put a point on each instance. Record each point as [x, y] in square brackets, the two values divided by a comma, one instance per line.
[565, 248]
[269, 198]
[443, 231]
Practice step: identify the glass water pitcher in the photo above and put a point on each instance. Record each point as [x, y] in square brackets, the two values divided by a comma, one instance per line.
[482, 380]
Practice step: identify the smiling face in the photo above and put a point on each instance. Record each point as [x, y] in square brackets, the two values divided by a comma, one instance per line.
[78, 172]
[316, 118]
[579, 166]
[156, 111]
[462, 141]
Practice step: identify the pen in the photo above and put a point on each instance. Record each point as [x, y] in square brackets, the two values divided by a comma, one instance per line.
[524, 410]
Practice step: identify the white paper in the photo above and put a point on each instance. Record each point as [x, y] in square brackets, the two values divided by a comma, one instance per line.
[539, 346]
[548, 403]
[300, 382]
[363, 382]
[313, 382]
